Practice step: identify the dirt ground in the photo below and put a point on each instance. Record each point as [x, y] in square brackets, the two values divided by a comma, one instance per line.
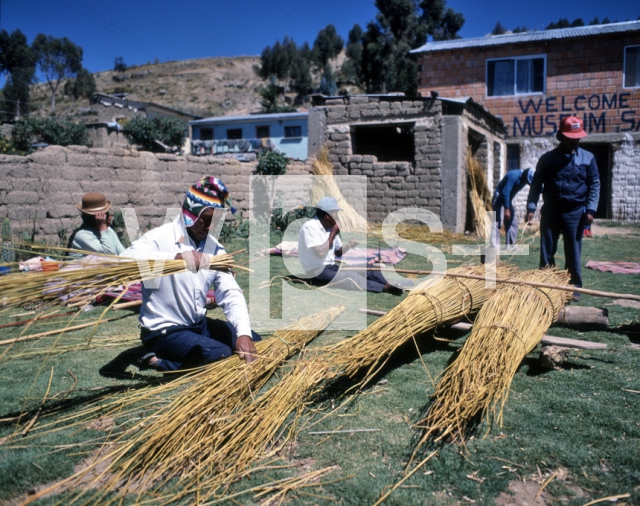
[599, 230]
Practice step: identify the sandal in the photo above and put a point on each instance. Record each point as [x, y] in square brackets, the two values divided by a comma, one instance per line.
[147, 362]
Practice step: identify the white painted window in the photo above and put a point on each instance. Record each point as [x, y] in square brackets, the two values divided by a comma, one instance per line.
[632, 67]
[524, 75]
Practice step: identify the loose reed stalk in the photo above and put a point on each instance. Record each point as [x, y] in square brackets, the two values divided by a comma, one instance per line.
[350, 220]
[89, 277]
[506, 329]
[479, 195]
[179, 433]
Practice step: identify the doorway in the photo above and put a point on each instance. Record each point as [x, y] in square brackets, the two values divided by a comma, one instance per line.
[602, 152]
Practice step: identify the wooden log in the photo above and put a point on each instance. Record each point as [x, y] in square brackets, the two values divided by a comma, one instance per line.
[583, 318]
[549, 340]
[123, 305]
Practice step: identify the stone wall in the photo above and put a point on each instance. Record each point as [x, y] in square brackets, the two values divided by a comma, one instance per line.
[625, 179]
[391, 185]
[42, 190]
[624, 173]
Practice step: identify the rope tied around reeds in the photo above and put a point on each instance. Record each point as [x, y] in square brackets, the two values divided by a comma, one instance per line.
[477, 383]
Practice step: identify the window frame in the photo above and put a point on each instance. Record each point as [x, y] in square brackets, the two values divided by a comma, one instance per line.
[515, 80]
[268, 128]
[624, 66]
[235, 130]
[208, 130]
[289, 127]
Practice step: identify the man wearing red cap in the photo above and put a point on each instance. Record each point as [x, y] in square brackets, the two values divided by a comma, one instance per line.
[567, 177]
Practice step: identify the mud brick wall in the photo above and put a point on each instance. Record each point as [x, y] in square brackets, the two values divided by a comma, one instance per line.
[46, 186]
[390, 185]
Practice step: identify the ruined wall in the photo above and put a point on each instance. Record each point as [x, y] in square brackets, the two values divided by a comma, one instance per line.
[390, 185]
[47, 185]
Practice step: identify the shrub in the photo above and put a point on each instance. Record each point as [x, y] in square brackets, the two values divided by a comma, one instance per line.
[144, 132]
[49, 130]
[271, 163]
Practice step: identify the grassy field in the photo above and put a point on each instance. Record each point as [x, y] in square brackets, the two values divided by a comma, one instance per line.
[578, 427]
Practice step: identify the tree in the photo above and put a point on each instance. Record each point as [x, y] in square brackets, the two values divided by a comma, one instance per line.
[57, 59]
[84, 85]
[519, 29]
[564, 23]
[399, 27]
[498, 29]
[119, 65]
[352, 66]
[18, 63]
[327, 81]
[145, 132]
[327, 45]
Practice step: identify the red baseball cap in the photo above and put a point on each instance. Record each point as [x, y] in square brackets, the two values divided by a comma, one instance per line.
[572, 128]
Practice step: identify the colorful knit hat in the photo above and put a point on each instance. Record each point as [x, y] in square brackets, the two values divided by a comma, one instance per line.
[208, 192]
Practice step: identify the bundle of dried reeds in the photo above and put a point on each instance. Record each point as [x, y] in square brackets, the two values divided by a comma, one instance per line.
[479, 196]
[80, 279]
[506, 329]
[244, 437]
[350, 220]
[183, 433]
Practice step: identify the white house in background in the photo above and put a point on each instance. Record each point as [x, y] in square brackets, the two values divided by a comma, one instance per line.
[286, 132]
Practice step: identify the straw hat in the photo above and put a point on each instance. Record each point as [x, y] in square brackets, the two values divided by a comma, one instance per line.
[93, 203]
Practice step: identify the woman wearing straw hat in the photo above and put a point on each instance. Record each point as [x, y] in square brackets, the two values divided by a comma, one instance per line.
[95, 233]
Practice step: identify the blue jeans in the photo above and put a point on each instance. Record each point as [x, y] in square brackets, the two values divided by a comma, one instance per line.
[510, 226]
[569, 222]
[191, 346]
[352, 280]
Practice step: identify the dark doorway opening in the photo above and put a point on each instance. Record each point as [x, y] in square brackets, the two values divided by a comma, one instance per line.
[388, 143]
[602, 152]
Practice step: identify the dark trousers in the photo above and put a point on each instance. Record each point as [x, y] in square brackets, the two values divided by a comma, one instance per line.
[352, 280]
[570, 223]
[191, 346]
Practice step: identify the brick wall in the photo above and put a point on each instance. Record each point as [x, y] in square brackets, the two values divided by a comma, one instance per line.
[47, 185]
[584, 78]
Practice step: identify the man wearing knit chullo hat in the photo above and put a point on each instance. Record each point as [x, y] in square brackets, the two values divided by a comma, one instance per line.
[174, 328]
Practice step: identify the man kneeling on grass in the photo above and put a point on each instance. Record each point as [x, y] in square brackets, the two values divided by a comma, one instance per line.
[319, 243]
[173, 315]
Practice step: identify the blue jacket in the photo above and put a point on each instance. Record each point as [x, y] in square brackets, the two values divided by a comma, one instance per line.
[566, 181]
[509, 186]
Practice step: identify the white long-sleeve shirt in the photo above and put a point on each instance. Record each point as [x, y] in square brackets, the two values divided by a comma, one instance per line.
[180, 299]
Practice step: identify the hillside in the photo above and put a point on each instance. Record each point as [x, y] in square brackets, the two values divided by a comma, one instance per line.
[205, 87]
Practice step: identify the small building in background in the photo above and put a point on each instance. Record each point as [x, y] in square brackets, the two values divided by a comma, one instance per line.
[110, 113]
[285, 132]
[533, 79]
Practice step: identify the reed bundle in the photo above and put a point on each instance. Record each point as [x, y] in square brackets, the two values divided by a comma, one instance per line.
[350, 220]
[184, 432]
[506, 329]
[84, 278]
[479, 196]
[239, 440]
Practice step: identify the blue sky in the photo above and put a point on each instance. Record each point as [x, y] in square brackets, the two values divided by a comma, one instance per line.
[143, 30]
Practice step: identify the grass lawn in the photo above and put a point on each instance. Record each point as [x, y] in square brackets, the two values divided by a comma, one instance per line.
[581, 423]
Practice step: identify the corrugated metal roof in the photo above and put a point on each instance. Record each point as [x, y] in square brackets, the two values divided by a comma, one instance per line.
[514, 38]
[251, 117]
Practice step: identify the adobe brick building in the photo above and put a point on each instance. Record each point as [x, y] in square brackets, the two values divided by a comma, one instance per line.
[532, 80]
[412, 150]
